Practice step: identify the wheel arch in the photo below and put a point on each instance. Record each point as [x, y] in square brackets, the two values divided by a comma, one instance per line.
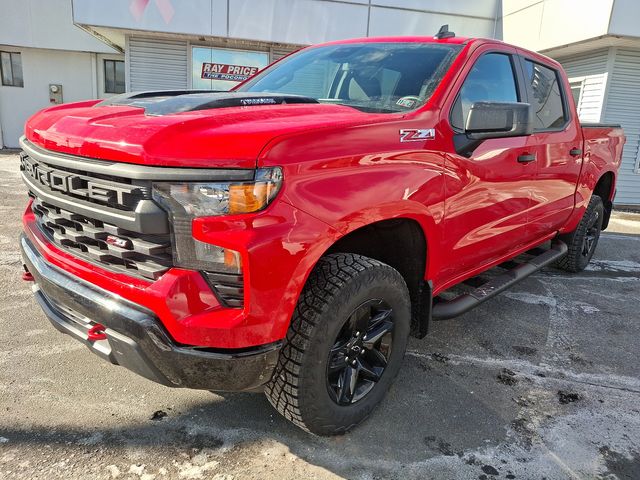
[605, 188]
[401, 243]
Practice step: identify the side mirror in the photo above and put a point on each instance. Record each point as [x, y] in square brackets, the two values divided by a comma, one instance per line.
[493, 120]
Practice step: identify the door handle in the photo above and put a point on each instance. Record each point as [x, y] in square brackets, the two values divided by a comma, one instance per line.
[575, 152]
[527, 158]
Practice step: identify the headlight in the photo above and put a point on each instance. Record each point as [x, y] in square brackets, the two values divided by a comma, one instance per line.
[188, 200]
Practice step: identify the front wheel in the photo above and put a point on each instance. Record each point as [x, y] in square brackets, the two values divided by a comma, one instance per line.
[583, 241]
[345, 345]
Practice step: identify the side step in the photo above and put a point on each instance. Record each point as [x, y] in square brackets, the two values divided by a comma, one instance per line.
[467, 301]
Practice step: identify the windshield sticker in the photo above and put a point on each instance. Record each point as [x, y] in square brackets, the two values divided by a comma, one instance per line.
[407, 102]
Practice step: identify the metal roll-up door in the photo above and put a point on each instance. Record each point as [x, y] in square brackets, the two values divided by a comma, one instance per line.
[278, 52]
[157, 64]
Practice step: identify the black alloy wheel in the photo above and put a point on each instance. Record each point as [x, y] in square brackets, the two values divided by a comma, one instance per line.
[591, 235]
[361, 352]
[344, 346]
[582, 242]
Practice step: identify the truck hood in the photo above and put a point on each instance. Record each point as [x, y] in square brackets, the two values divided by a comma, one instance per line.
[205, 130]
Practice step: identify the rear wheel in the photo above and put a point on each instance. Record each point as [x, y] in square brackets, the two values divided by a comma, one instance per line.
[583, 241]
[345, 345]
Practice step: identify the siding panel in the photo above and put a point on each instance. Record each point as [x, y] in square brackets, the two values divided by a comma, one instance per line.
[623, 106]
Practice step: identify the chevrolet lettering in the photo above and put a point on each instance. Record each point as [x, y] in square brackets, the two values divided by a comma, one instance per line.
[78, 185]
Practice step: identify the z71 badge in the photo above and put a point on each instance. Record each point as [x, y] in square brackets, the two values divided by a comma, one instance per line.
[417, 135]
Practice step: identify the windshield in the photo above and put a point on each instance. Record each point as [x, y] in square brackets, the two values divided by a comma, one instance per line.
[372, 77]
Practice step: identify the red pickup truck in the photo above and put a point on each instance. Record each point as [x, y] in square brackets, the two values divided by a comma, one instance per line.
[289, 235]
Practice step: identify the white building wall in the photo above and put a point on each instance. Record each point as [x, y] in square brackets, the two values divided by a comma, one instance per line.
[624, 18]
[623, 106]
[297, 22]
[53, 51]
[75, 71]
[44, 24]
[543, 24]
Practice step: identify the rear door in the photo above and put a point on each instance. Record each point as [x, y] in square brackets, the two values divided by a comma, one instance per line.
[556, 144]
[488, 194]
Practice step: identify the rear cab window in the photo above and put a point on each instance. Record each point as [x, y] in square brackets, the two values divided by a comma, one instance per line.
[546, 96]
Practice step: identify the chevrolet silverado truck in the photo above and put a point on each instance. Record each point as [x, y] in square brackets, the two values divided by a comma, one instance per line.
[290, 235]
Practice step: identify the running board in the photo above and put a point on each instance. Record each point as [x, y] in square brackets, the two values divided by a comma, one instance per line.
[467, 301]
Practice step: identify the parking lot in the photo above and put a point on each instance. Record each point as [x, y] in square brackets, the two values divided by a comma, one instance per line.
[542, 382]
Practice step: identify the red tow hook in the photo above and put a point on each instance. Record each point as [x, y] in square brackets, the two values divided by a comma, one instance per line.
[27, 277]
[97, 333]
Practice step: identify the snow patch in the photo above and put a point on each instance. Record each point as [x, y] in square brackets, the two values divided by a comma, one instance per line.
[194, 472]
[627, 266]
[113, 471]
[532, 299]
[588, 309]
[137, 469]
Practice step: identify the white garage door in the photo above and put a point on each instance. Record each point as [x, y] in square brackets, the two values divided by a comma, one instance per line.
[157, 64]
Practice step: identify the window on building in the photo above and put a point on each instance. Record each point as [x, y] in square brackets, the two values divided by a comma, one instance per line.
[114, 76]
[11, 69]
[492, 79]
[547, 102]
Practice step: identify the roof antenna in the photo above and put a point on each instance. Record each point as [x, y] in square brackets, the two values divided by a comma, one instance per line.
[444, 32]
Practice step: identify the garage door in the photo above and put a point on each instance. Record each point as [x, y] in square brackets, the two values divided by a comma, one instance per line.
[157, 64]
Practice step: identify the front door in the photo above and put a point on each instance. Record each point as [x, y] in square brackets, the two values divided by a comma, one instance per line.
[488, 194]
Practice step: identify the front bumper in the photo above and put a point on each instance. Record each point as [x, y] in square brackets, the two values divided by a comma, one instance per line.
[136, 340]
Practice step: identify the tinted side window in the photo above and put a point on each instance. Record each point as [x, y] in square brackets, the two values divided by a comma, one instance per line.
[546, 102]
[492, 79]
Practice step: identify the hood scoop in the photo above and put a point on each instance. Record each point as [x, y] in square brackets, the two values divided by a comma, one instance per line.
[176, 101]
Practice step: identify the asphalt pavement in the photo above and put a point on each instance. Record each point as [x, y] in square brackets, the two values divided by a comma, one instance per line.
[541, 382]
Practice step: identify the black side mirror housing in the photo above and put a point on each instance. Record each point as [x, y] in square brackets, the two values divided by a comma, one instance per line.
[493, 120]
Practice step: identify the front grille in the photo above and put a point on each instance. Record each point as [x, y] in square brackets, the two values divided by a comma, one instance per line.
[92, 188]
[115, 248]
[103, 211]
[92, 210]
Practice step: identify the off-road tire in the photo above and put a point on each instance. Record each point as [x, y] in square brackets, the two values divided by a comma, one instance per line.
[339, 283]
[578, 257]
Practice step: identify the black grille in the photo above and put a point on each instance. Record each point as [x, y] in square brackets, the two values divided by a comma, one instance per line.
[141, 255]
[109, 190]
[228, 288]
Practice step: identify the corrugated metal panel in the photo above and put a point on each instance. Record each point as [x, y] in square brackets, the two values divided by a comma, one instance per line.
[623, 106]
[591, 68]
[278, 52]
[157, 63]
